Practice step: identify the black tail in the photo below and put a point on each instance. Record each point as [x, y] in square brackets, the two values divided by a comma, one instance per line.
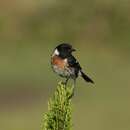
[86, 78]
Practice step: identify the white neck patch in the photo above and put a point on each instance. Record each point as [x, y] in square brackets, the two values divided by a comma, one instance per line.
[56, 52]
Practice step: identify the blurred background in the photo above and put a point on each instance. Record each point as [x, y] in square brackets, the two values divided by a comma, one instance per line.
[98, 29]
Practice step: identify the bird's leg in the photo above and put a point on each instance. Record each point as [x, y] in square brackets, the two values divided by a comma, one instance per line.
[66, 81]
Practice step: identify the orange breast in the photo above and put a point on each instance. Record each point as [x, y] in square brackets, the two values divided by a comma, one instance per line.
[59, 62]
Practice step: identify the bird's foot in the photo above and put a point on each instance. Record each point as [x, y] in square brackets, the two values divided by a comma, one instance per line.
[64, 83]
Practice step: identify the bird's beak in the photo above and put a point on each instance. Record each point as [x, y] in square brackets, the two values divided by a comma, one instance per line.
[73, 49]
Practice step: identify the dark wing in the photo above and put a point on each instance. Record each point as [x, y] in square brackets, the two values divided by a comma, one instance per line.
[77, 68]
[74, 64]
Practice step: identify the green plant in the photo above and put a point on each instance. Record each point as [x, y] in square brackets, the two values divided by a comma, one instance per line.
[59, 115]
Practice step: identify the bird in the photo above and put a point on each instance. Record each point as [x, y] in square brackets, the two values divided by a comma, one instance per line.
[65, 64]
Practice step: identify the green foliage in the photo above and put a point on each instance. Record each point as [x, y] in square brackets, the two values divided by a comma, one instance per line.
[59, 115]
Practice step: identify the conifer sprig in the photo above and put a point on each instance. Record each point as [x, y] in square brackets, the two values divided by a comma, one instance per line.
[59, 115]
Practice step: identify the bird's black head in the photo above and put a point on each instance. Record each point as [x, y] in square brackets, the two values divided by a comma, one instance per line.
[64, 50]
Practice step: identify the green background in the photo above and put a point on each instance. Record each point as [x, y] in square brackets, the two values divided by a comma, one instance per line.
[100, 32]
